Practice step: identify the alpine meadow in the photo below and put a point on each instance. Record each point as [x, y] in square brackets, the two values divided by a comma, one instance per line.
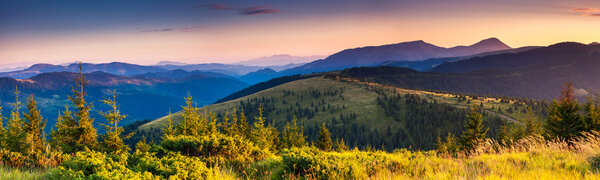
[150, 89]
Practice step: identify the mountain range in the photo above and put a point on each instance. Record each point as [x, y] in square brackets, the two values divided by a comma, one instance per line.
[406, 51]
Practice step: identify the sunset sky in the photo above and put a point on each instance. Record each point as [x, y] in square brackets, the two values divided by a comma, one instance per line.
[198, 31]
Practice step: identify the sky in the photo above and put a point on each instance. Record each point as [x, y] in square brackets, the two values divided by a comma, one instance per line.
[226, 31]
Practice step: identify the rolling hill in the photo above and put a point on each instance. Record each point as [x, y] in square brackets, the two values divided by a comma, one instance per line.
[361, 113]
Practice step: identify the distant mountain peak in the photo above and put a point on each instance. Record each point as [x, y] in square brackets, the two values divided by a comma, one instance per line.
[492, 42]
[594, 43]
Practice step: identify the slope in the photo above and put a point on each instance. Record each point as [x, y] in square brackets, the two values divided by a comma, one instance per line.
[360, 113]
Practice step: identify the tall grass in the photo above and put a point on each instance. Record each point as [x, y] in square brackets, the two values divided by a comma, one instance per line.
[18, 173]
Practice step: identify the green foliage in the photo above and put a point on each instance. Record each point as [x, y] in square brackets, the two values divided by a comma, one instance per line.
[264, 136]
[592, 113]
[142, 146]
[16, 134]
[193, 124]
[340, 146]
[84, 133]
[2, 130]
[214, 148]
[292, 135]
[90, 164]
[474, 132]
[35, 125]
[171, 166]
[324, 142]
[62, 137]
[113, 139]
[450, 146]
[565, 121]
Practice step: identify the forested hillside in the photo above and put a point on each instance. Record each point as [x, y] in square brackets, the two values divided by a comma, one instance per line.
[362, 114]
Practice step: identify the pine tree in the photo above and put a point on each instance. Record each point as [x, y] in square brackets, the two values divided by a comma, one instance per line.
[113, 140]
[15, 135]
[63, 137]
[192, 124]
[532, 125]
[564, 120]
[169, 130]
[34, 126]
[340, 145]
[293, 135]
[85, 133]
[474, 132]
[2, 130]
[324, 142]
[262, 135]
[212, 125]
[592, 113]
[142, 146]
[243, 126]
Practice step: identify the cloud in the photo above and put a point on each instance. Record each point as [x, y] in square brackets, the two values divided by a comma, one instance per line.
[221, 7]
[183, 29]
[258, 10]
[587, 11]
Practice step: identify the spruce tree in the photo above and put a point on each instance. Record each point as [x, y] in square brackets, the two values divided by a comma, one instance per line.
[34, 126]
[63, 136]
[324, 142]
[15, 135]
[192, 124]
[261, 135]
[292, 135]
[2, 141]
[169, 130]
[564, 120]
[474, 132]
[85, 134]
[592, 113]
[340, 145]
[113, 140]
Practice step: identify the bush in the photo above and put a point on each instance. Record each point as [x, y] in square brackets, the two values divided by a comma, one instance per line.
[172, 165]
[36, 159]
[215, 148]
[96, 165]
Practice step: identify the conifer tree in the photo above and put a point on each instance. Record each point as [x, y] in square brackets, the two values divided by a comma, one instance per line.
[292, 135]
[212, 125]
[262, 135]
[169, 130]
[474, 132]
[564, 120]
[34, 127]
[532, 125]
[592, 113]
[63, 137]
[340, 145]
[142, 146]
[192, 124]
[324, 142]
[15, 135]
[243, 126]
[2, 141]
[85, 133]
[113, 140]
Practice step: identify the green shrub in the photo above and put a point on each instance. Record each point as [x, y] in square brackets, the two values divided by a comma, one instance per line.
[215, 148]
[96, 165]
[172, 165]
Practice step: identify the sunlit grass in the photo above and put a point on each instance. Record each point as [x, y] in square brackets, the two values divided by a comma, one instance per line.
[18, 173]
